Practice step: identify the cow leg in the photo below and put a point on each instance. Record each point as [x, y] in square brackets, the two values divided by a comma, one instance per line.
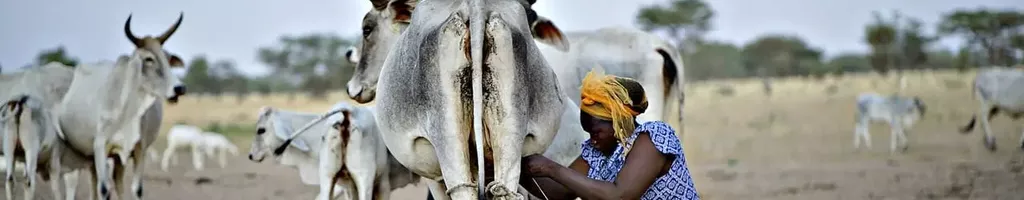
[861, 133]
[118, 176]
[139, 160]
[168, 153]
[9, 145]
[197, 157]
[329, 167]
[436, 190]
[223, 157]
[382, 190]
[100, 166]
[31, 164]
[1022, 140]
[983, 113]
[71, 184]
[893, 136]
[54, 169]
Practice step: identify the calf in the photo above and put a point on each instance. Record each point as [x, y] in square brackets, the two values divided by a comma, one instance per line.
[200, 142]
[899, 112]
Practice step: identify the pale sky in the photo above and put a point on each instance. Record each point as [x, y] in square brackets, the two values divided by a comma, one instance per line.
[91, 30]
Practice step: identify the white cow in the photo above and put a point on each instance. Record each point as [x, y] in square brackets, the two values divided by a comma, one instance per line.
[49, 83]
[355, 157]
[101, 114]
[467, 74]
[620, 51]
[391, 20]
[273, 127]
[900, 112]
[997, 89]
[201, 142]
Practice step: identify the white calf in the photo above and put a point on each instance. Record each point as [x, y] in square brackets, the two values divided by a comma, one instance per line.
[215, 144]
[200, 142]
[899, 112]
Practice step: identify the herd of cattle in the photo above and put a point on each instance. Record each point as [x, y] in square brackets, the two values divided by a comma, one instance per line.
[460, 87]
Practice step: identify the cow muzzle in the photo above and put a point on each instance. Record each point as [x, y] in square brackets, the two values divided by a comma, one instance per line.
[178, 91]
[360, 93]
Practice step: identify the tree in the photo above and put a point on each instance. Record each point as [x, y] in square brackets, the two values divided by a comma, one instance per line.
[849, 62]
[990, 30]
[715, 59]
[57, 54]
[299, 58]
[684, 20]
[198, 77]
[781, 55]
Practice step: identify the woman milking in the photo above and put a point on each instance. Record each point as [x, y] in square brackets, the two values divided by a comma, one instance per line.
[622, 159]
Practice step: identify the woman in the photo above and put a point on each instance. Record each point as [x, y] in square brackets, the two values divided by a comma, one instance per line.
[622, 159]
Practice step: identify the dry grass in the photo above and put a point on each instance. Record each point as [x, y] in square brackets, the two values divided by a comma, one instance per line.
[795, 144]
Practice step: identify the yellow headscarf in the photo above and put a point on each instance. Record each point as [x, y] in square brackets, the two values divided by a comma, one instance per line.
[605, 97]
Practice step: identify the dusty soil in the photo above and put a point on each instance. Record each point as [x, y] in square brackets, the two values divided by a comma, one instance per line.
[241, 179]
[796, 144]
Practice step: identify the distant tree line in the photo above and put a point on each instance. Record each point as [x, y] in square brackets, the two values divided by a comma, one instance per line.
[315, 64]
[993, 37]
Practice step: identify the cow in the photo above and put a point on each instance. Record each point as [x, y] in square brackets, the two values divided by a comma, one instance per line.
[997, 89]
[900, 112]
[49, 83]
[273, 127]
[465, 68]
[355, 157]
[101, 113]
[212, 144]
[620, 51]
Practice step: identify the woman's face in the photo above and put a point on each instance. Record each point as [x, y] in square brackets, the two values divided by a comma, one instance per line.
[602, 133]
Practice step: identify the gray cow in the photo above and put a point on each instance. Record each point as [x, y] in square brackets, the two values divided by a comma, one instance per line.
[997, 90]
[464, 67]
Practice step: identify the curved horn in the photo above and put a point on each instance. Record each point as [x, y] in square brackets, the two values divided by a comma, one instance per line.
[169, 32]
[128, 32]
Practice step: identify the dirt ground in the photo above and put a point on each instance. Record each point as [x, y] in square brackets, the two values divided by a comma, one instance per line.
[796, 144]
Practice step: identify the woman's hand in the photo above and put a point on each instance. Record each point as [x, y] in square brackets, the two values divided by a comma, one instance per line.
[538, 166]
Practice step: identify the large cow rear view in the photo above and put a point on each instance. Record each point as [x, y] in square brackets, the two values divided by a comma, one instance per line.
[438, 82]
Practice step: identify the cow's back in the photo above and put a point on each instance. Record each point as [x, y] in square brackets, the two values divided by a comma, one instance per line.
[1002, 87]
[48, 82]
[617, 51]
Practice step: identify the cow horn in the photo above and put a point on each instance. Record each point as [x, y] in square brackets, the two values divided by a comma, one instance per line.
[169, 32]
[128, 32]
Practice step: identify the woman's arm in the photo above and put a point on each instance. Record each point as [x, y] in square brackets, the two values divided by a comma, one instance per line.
[643, 165]
[554, 190]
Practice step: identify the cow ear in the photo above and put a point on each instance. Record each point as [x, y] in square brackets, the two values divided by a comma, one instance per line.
[546, 32]
[403, 10]
[379, 4]
[175, 62]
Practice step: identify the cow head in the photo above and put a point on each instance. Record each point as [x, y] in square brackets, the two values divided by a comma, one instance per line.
[380, 29]
[157, 62]
[267, 131]
[388, 19]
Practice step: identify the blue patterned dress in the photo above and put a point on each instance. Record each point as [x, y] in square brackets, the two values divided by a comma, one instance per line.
[676, 184]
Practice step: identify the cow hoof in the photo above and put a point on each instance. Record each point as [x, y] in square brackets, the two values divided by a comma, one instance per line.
[104, 192]
[138, 192]
[904, 149]
[501, 192]
[990, 144]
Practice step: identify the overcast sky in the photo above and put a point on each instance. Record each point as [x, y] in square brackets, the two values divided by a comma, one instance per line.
[92, 29]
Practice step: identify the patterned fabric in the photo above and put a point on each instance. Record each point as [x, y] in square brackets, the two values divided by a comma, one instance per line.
[676, 184]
